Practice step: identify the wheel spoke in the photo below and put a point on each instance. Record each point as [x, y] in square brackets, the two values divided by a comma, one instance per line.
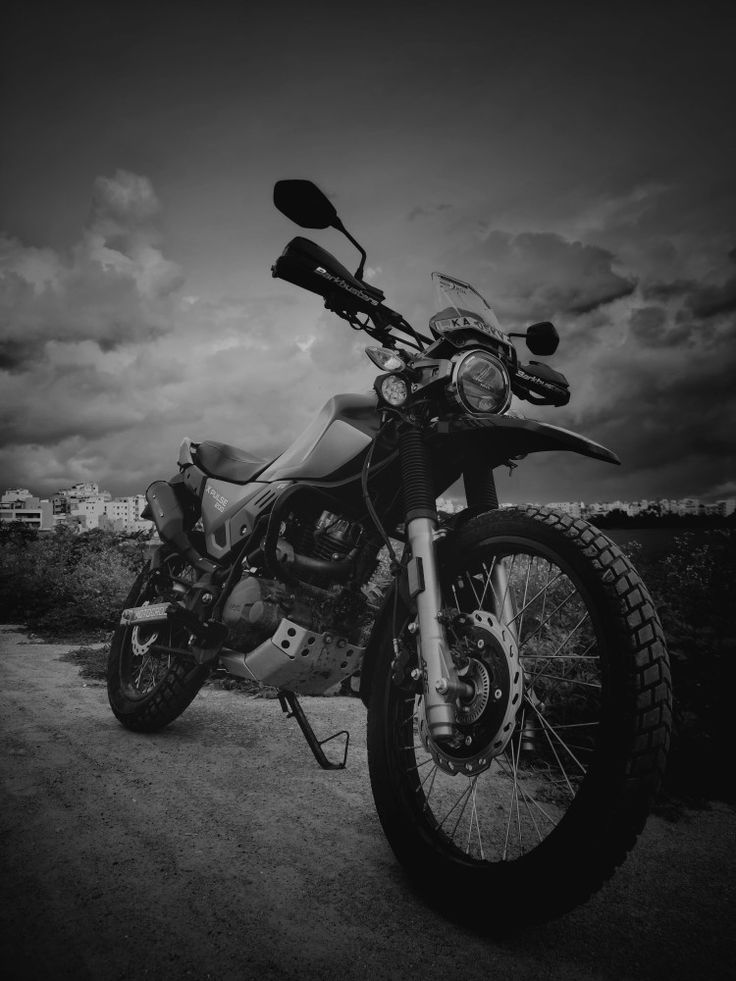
[527, 798]
[513, 805]
[474, 815]
[538, 629]
[551, 729]
[488, 580]
[410, 769]
[562, 657]
[428, 794]
[475, 592]
[430, 776]
[464, 797]
[523, 602]
[570, 725]
[543, 593]
[570, 681]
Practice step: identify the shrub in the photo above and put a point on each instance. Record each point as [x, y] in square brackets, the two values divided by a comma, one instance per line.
[66, 583]
[693, 585]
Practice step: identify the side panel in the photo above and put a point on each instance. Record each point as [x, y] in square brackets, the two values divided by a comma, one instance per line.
[229, 511]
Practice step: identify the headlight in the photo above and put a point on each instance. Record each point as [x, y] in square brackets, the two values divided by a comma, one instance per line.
[482, 383]
[393, 389]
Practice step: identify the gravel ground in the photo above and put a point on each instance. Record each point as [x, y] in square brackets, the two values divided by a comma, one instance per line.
[218, 849]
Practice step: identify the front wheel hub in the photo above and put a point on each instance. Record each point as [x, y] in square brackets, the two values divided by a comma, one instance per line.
[486, 719]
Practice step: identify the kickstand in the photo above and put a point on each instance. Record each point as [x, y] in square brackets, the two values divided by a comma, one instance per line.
[290, 705]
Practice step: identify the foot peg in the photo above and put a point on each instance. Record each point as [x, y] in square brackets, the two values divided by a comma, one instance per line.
[290, 705]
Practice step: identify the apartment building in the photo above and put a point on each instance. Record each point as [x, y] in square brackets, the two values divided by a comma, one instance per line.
[28, 510]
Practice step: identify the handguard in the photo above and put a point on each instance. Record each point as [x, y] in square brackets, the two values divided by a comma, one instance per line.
[540, 384]
[305, 264]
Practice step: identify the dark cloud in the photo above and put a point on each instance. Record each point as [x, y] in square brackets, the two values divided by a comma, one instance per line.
[14, 354]
[111, 295]
[666, 291]
[669, 406]
[701, 298]
[427, 211]
[709, 301]
[102, 355]
[651, 325]
[541, 274]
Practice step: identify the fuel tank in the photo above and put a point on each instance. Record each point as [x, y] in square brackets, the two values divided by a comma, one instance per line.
[332, 447]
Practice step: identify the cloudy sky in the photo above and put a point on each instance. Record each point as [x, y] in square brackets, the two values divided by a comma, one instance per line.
[576, 161]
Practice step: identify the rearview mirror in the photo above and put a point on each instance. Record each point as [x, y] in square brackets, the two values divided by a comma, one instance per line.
[305, 204]
[542, 338]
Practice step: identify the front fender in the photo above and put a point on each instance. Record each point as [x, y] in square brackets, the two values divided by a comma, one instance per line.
[511, 437]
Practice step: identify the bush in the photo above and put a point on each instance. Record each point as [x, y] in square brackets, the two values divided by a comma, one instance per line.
[694, 587]
[66, 583]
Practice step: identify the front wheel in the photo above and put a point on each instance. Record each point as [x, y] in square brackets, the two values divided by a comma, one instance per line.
[148, 688]
[562, 731]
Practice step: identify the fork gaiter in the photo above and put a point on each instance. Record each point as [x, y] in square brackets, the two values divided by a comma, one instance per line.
[416, 475]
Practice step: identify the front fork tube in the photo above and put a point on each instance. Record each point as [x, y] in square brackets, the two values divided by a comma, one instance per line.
[441, 685]
[503, 600]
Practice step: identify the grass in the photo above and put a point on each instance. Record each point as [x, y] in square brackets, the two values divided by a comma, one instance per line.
[91, 659]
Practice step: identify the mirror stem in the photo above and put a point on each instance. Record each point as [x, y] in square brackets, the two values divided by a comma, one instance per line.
[337, 224]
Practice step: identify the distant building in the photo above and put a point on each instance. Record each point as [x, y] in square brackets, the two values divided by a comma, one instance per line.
[81, 507]
[449, 506]
[573, 508]
[31, 512]
[124, 514]
[90, 509]
[15, 495]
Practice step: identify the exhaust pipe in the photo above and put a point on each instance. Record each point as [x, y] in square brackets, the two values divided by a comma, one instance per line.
[168, 517]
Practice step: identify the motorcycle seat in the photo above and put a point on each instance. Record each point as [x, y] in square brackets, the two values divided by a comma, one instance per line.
[228, 462]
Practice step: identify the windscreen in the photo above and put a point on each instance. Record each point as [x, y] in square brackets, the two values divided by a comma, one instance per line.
[461, 308]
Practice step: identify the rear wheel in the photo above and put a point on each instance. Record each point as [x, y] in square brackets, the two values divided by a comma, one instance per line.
[147, 688]
[562, 739]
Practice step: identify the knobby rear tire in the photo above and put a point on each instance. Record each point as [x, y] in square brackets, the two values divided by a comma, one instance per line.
[627, 753]
[174, 681]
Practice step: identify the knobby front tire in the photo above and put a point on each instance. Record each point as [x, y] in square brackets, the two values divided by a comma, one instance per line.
[148, 690]
[558, 809]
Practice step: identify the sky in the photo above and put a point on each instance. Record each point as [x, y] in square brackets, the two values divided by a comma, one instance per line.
[575, 161]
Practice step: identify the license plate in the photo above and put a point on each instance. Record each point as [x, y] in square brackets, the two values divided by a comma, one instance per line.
[155, 613]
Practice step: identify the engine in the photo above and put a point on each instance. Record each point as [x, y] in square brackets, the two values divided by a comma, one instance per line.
[316, 550]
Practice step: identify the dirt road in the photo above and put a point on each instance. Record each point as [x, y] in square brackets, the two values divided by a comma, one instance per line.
[219, 850]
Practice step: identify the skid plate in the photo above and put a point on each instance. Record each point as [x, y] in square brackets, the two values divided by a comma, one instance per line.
[297, 659]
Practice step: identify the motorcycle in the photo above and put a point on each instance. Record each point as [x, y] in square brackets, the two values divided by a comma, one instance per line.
[511, 660]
